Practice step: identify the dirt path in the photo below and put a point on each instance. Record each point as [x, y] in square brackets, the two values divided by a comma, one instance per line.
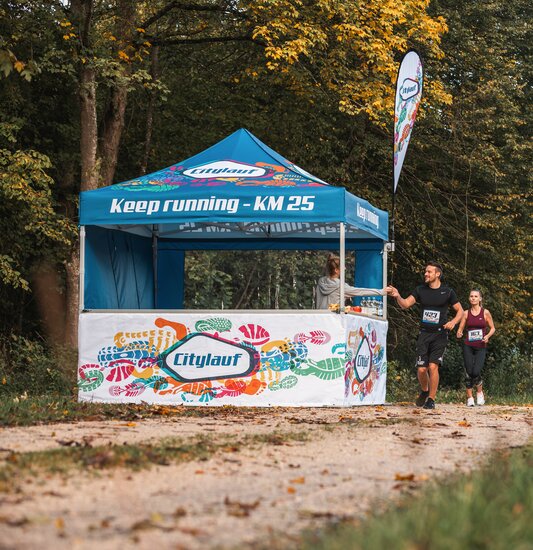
[322, 465]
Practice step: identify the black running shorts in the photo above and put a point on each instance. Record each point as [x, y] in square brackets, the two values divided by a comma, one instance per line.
[430, 348]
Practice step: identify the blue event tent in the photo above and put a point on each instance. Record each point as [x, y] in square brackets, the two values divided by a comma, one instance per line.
[237, 194]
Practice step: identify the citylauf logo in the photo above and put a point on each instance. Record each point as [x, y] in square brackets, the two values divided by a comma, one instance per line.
[409, 89]
[200, 357]
[224, 169]
[362, 361]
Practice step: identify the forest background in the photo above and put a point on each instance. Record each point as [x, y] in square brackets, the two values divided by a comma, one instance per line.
[96, 92]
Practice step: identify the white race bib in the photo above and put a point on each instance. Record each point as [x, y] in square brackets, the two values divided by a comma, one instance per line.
[431, 316]
[475, 335]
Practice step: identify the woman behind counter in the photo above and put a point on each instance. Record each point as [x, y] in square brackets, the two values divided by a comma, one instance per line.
[328, 289]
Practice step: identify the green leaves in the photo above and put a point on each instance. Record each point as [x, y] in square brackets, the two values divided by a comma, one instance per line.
[27, 215]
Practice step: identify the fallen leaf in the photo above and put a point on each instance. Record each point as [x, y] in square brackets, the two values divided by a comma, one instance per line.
[299, 480]
[131, 424]
[14, 522]
[68, 442]
[180, 512]
[240, 509]
[142, 525]
[191, 531]
[199, 472]
[291, 490]
[464, 423]
[404, 477]
[59, 523]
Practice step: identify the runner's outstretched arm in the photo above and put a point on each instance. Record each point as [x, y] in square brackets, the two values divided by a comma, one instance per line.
[404, 303]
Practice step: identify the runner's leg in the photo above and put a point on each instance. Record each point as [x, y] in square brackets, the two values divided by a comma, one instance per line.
[433, 379]
[423, 378]
[468, 357]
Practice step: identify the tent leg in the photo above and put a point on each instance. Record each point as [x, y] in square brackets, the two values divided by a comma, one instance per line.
[384, 298]
[387, 247]
[81, 291]
[343, 264]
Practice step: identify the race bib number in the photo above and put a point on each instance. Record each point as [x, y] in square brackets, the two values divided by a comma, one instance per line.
[431, 316]
[475, 335]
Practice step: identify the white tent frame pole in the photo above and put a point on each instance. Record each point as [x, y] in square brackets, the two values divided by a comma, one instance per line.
[155, 238]
[342, 236]
[81, 290]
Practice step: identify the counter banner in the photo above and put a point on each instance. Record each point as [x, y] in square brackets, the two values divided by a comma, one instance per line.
[251, 359]
[366, 366]
[408, 95]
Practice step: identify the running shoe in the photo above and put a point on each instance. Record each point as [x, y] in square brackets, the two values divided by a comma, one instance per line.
[480, 398]
[470, 402]
[421, 399]
[429, 404]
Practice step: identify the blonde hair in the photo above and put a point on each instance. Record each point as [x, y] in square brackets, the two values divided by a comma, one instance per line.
[332, 264]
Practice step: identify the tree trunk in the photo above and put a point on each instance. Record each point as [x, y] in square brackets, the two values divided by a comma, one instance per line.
[89, 131]
[72, 268]
[47, 289]
[113, 122]
[82, 16]
[150, 111]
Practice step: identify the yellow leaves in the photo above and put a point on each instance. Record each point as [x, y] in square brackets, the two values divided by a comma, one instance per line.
[19, 66]
[354, 48]
[123, 56]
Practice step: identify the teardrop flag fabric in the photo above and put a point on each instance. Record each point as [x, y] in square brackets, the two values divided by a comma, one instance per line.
[408, 96]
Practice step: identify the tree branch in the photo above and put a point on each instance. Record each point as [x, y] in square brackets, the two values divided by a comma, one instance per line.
[206, 40]
[189, 7]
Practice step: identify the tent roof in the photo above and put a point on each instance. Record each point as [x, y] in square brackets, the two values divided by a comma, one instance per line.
[239, 185]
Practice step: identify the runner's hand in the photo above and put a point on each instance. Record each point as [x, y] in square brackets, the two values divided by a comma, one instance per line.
[392, 291]
[449, 325]
[486, 339]
[459, 334]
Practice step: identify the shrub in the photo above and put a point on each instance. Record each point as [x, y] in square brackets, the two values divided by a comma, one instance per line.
[28, 367]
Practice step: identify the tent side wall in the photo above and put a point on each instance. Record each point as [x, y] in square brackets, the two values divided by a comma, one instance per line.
[118, 270]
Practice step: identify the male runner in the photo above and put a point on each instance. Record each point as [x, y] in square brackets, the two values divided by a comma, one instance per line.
[434, 299]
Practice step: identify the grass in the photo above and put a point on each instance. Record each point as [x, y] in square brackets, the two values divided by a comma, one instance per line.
[83, 456]
[53, 408]
[488, 509]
